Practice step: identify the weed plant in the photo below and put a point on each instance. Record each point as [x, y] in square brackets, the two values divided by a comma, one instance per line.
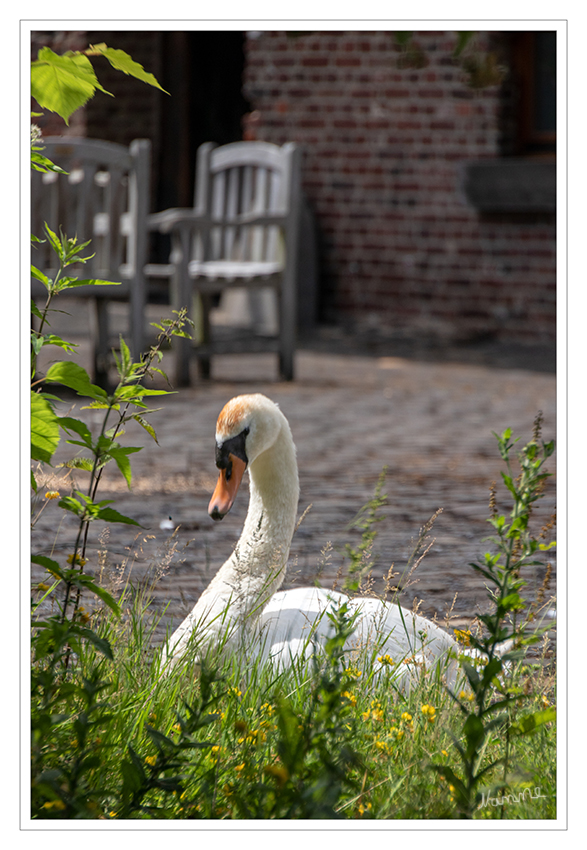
[115, 737]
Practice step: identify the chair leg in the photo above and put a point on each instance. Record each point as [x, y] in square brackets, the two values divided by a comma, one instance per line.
[100, 341]
[287, 329]
[204, 362]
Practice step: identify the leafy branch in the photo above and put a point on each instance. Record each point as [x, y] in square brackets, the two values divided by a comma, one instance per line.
[489, 663]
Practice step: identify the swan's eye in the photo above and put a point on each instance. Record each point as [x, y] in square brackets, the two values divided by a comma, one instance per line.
[234, 446]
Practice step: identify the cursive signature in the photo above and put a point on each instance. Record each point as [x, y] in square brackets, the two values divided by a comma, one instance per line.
[502, 799]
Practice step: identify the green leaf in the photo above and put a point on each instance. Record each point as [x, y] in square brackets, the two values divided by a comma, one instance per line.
[146, 425]
[49, 564]
[474, 732]
[52, 339]
[402, 38]
[110, 515]
[55, 242]
[84, 463]
[529, 723]
[122, 461]
[68, 503]
[38, 275]
[100, 643]
[69, 424]
[42, 163]
[123, 62]
[63, 84]
[73, 376]
[35, 310]
[71, 283]
[44, 429]
[87, 583]
[509, 483]
[463, 38]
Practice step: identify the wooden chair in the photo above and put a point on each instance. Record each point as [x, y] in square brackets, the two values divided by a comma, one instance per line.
[105, 198]
[242, 232]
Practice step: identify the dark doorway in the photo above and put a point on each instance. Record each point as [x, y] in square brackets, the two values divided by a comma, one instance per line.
[203, 73]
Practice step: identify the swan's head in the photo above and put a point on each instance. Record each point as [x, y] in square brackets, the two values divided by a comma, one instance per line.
[248, 425]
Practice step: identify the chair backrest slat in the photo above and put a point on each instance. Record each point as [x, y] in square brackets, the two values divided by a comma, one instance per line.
[237, 179]
[103, 198]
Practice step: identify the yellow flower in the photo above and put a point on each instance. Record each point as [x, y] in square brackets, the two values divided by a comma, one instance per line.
[351, 697]
[463, 636]
[465, 695]
[52, 494]
[364, 808]
[444, 753]
[407, 718]
[429, 713]
[353, 671]
[366, 715]
[152, 760]
[83, 615]
[77, 559]
[385, 659]
[278, 771]
[42, 586]
[214, 753]
[268, 708]
[240, 767]
[54, 804]
[235, 692]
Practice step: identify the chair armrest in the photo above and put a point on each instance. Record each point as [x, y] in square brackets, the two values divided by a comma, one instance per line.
[263, 218]
[169, 219]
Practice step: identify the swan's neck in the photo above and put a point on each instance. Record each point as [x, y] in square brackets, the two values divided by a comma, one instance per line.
[256, 568]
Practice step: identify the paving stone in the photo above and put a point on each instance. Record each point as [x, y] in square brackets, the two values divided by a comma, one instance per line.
[429, 423]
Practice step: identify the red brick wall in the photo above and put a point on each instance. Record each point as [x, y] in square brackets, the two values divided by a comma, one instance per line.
[401, 251]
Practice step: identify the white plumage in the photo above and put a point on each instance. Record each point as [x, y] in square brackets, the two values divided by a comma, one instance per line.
[243, 610]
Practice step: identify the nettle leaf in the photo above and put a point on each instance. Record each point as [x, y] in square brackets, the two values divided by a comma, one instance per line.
[42, 163]
[146, 425]
[120, 457]
[530, 723]
[63, 84]
[38, 275]
[39, 340]
[49, 564]
[110, 515]
[44, 429]
[86, 582]
[72, 282]
[70, 424]
[99, 643]
[76, 378]
[121, 61]
[84, 463]
[35, 310]
[55, 242]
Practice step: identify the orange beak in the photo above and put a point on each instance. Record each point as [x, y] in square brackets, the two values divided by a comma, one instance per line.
[227, 487]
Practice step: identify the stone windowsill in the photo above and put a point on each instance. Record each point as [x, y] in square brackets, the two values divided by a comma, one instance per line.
[510, 185]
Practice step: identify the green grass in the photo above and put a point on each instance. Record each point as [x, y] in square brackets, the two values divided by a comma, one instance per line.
[325, 743]
[114, 737]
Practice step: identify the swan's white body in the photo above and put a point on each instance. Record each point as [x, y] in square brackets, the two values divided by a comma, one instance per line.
[242, 609]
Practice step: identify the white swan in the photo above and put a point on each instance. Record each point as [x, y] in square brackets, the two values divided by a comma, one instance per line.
[242, 608]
